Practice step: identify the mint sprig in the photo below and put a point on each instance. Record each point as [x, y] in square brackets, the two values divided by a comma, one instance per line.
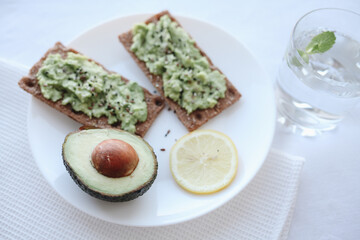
[319, 44]
[304, 55]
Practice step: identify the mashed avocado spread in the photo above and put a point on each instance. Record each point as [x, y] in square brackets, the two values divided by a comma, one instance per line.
[88, 88]
[169, 51]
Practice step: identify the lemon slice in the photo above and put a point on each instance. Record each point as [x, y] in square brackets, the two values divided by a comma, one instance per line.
[204, 161]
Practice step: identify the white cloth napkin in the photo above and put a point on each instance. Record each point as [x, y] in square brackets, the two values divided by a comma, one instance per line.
[31, 209]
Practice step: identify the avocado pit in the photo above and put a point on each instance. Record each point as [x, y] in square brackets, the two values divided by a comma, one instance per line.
[114, 158]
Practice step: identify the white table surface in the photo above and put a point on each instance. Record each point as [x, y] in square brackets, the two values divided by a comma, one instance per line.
[328, 204]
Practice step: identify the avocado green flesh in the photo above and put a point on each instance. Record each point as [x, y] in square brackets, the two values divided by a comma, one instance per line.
[77, 150]
[88, 88]
[168, 51]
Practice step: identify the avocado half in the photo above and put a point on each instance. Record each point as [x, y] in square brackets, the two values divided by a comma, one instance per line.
[76, 152]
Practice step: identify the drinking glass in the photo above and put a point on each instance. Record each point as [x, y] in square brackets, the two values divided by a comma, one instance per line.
[316, 87]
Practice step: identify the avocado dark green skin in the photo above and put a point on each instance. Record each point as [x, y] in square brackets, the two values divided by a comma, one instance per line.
[106, 197]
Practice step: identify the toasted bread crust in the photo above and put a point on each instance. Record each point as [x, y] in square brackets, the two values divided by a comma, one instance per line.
[198, 117]
[30, 84]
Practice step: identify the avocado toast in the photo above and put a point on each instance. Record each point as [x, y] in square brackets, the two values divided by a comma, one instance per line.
[30, 83]
[220, 92]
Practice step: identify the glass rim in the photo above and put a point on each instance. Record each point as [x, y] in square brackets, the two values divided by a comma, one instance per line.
[308, 13]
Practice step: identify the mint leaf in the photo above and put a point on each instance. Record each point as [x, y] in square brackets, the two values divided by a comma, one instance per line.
[321, 43]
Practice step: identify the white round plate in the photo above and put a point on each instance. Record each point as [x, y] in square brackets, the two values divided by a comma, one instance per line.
[250, 123]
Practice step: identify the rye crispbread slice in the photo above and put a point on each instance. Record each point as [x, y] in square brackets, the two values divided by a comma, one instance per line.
[198, 117]
[30, 84]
